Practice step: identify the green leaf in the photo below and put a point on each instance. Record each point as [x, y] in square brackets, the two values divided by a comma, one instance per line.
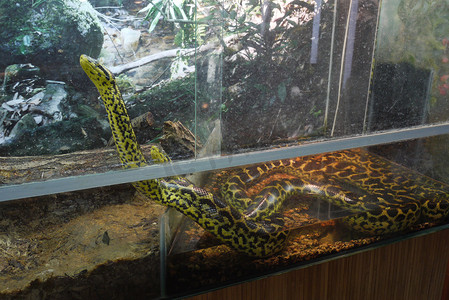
[146, 8]
[242, 18]
[155, 21]
[37, 3]
[178, 12]
[172, 13]
[26, 40]
[282, 91]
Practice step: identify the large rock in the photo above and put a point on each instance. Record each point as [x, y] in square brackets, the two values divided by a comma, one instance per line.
[50, 35]
[39, 116]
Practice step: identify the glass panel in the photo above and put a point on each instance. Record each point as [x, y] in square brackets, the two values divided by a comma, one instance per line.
[276, 71]
[409, 85]
[101, 243]
[300, 70]
[355, 40]
[167, 65]
[96, 241]
[209, 71]
[334, 203]
[205, 78]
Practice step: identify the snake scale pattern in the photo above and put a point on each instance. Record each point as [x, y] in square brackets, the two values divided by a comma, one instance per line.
[383, 197]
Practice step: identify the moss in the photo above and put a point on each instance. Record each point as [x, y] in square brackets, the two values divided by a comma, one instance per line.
[82, 14]
[170, 101]
[125, 84]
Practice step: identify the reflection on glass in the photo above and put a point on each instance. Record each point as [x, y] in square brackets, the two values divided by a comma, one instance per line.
[399, 97]
[411, 59]
[273, 59]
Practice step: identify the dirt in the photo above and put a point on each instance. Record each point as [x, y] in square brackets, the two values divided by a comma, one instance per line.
[80, 245]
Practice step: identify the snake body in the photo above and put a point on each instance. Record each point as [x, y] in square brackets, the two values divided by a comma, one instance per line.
[381, 200]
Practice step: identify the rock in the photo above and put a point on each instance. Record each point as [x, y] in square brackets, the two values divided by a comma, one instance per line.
[47, 117]
[130, 39]
[55, 94]
[36, 99]
[16, 73]
[27, 122]
[21, 78]
[50, 34]
[56, 138]
[42, 108]
[295, 92]
[49, 104]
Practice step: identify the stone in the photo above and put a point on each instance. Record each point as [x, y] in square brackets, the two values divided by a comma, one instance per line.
[20, 78]
[50, 34]
[130, 39]
[56, 138]
[22, 119]
[55, 94]
[27, 122]
[18, 72]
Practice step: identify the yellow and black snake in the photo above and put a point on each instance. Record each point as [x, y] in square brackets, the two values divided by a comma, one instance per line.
[382, 196]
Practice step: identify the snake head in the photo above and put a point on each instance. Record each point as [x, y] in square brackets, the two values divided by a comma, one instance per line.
[98, 73]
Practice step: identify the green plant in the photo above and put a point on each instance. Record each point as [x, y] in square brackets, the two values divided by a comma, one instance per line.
[170, 10]
[271, 49]
[25, 44]
[37, 3]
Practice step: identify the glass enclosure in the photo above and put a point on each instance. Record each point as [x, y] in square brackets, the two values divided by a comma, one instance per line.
[260, 136]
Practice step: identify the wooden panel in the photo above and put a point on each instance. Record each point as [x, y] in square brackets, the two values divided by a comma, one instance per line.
[411, 269]
[446, 285]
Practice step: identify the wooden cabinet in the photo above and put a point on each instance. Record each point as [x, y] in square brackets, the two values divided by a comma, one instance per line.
[411, 269]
